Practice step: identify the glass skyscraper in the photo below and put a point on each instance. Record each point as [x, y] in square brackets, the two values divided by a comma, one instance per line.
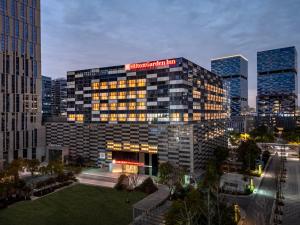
[234, 70]
[277, 82]
[20, 80]
[46, 96]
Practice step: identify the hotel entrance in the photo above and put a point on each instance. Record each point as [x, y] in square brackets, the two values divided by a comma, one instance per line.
[133, 163]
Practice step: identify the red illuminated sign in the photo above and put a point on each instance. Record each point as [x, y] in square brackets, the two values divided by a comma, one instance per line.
[149, 65]
[122, 162]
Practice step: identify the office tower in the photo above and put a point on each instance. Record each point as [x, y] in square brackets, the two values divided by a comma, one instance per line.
[59, 97]
[234, 70]
[276, 85]
[132, 117]
[20, 71]
[46, 97]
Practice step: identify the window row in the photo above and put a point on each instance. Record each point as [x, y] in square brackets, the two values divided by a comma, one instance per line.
[119, 84]
[119, 95]
[119, 106]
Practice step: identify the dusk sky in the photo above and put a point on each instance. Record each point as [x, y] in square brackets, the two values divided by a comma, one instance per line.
[81, 34]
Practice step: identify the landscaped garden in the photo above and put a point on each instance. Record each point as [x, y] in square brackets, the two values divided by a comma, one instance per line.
[75, 205]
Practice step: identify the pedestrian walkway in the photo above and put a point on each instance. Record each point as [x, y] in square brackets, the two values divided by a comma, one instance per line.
[291, 192]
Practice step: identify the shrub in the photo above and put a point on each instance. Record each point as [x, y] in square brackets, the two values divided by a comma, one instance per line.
[122, 183]
[147, 186]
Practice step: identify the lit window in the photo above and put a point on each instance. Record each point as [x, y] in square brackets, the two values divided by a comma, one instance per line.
[131, 117]
[113, 95]
[113, 84]
[122, 84]
[103, 117]
[71, 117]
[196, 116]
[175, 117]
[122, 106]
[95, 85]
[103, 85]
[196, 94]
[131, 83]
[95, 96]
[131, 94]
[113, 106]
[113, 117]
[79, 117]
[141, 82]
[141, 117]
[141, 105]
[131, 106]
[122, 117]
[122, 95]
[96, 106]
[186, 117]
[141, 94]
[103, 96]
[104, 106]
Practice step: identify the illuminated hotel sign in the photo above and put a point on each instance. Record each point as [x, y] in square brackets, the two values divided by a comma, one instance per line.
[150, 65]
[121, 162]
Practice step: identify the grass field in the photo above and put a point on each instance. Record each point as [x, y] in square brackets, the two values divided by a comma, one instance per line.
[76, 205]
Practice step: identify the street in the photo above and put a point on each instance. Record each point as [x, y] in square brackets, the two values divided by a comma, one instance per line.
[291, 191]
[258, 206]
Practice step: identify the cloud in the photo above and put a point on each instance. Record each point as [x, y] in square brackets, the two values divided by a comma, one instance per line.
[82, 34]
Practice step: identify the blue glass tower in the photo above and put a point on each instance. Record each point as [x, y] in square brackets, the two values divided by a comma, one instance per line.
[234, 70]
[46, 96]
[277, 82]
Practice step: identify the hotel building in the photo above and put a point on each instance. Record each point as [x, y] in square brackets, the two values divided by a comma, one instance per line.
[133, 117]
[20, 80]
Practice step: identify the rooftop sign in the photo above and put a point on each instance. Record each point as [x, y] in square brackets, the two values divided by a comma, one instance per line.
[150, 65]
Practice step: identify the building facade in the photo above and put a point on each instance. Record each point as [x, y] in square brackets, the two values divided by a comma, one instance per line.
[277, 81]
[20, 75]
[234, 70]
[46, 97]
[141, 114]
[59, 97]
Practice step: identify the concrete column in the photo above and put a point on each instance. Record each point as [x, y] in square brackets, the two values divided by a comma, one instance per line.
[150, 164]
[142, 159]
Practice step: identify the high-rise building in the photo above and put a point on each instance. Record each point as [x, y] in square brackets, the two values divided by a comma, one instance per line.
[59, 97]
[234, 70]
[276, 84]
[132, 117]
[46, 97]
[20, 80]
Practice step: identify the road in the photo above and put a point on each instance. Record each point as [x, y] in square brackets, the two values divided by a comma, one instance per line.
[291, 192]
[258, 206]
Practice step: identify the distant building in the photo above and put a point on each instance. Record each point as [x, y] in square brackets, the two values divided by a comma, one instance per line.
[241, 124]
[59, 97]
[46, 97]
[234, 70]
[277, 86]
[132, 117]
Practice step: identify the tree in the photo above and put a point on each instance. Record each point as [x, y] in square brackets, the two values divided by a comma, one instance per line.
[248, 152]
[221, 154]
[15, 167]
[32, 165]
[165, 172]
[187, 211]
[55, 167]
[171, 175]
[262, 134]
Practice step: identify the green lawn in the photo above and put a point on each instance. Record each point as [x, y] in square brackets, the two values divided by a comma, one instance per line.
[76, 205]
